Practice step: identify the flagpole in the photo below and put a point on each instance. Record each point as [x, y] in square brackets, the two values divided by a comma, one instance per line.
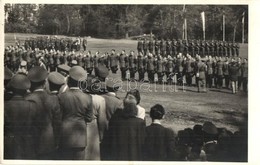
[185, 24]
[223, 27]
[243, 28]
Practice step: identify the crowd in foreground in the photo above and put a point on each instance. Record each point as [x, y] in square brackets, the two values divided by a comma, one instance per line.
[70, 115]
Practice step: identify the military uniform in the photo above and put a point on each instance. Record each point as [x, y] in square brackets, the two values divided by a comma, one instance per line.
[132, 65]
[141, 66]
[200, 70]
[150, 68]
[113, 62]
[122, 64]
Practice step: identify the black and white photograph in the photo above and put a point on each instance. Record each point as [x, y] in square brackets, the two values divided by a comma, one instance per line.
[126, 82]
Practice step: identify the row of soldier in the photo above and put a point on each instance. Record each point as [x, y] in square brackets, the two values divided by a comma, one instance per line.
[164, 67]
[61, 44]
[192, 47]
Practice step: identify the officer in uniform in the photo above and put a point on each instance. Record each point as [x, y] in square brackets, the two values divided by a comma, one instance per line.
[145, 46]
[179, 69]
[157, 46]
[151, 46]
[200, 71]
[188, 70]
[95, 61]
[141, 66]
[219, 71]
[18, 121]
[113, 61]
[88, 65]
[225, 72]
[122, 64]
[77, 111]
[163, 48]
[237, 49]
[55, 82]
[139, 45]
[209, 72]
[84, 44]
[150, 68]
[160, 69]
[169, 69]
[132, 65]
[168, 47]
[47, 114]
[174, 48]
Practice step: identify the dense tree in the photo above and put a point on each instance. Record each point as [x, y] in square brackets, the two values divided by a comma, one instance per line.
[123, 21]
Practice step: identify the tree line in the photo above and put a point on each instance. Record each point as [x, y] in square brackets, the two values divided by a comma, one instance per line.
[123, 21]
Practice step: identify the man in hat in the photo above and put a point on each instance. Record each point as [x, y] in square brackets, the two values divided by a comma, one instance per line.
[139, 45]
[55, 82]
[7, 77]
[150, 67]
[77, 111]
[159, 141]
[244, 69]
[141, 66]
[132, 65]
[88, 62]
[18, 121]
[47, 112]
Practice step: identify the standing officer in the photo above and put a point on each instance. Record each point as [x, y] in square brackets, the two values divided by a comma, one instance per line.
[244, 69]
[150, 67]
[113, 61]
[140, 66]
[209, 74]
[157, 46]
[84, 44]
[88, 63]
[151, 46]
[200, 70]
[95, 61]
[174, 48]
[169, 69]
[132, 65]
[160, 69]
[225, 72]
[219, 71]
[139, 45]
[233, 49]
[188, 70]
[122, 64]
[237, 49]
[163, 48]
[77, 111]
[168, 47]
[47, 114]
[179, 69]
[18, 121]
[145, 46]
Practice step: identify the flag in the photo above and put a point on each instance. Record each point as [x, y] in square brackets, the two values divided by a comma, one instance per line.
[243, 18]
[203, 20]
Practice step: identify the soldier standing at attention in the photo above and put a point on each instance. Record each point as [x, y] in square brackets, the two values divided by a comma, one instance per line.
[200, 71]
[132, 65]
[122, 64]
[113, 61]
[225, 72]
[237, 49]
[140, 66]
[150, 68]
[168, 47]
[209, 72]
[84, 44]
[89, 63]
[157, 46]
[151, 46]
[145, 46]
[163, 48]
[219, 71]
[139, 45]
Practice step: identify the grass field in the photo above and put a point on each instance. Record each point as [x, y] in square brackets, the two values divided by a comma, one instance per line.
[184, 108]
